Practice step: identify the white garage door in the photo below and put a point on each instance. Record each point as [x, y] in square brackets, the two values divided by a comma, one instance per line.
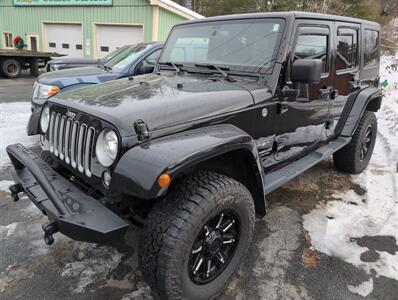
[64, 39]
[111, 37]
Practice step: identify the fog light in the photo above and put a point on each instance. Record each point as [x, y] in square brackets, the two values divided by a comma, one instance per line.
[106, 179]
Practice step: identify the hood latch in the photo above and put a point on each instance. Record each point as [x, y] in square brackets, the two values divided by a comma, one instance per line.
[142, 131]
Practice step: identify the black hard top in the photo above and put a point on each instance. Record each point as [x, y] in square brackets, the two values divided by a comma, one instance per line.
[287, 15]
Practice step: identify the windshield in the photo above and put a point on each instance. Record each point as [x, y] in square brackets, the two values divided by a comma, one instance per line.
[109, 56]
[244, 45]
[126, 57]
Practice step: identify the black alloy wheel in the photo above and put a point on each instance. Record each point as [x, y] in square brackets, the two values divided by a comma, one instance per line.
[366, 142]
[214, 247]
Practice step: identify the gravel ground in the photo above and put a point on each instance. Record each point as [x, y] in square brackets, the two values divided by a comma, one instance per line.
[286, 259]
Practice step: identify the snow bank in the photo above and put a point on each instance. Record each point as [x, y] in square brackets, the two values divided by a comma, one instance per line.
[336, 226]
[14, 117]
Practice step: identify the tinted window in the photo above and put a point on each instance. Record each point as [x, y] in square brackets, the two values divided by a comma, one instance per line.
[371, 53]
[347, 48]
[246, 45]
[127, 57]
[152, 59]
[312, 46]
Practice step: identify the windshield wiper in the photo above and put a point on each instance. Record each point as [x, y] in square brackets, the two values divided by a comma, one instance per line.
[221, 70]
[174, 65]
[107, 68]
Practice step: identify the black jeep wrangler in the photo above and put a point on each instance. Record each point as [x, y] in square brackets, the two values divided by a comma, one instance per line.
[238, 105]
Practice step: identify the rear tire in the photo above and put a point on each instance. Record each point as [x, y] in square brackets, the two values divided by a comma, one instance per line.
[34, 67]
[11, 68]
[354, 158]
[182, 229]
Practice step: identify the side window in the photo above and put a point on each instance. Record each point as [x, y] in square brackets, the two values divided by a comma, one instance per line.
[347, 48]
[313, 46]
[371, 45]
[152, 59]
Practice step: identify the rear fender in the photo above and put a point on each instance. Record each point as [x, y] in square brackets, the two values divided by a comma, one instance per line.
[367, 99]
[139, 168]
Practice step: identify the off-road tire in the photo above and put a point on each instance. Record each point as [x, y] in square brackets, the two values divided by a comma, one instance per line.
[10, 68]
[348, 159]
[174, 222]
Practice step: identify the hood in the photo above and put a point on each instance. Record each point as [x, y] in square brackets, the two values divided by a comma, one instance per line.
[71, 61]
[160, 101]
[68, 77]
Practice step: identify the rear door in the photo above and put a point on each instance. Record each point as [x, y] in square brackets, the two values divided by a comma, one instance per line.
[301, 120]
[346, 69]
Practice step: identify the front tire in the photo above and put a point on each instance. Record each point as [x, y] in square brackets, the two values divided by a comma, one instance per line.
[354, 158]
[207, 217]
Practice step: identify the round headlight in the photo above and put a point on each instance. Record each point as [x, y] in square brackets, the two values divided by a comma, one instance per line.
[45, 119]
[107, 147]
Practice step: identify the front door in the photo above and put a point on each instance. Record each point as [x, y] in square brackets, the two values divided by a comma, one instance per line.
[301, 120]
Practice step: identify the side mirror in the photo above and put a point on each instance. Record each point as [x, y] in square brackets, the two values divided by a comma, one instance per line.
[306, 71]
[144, 69]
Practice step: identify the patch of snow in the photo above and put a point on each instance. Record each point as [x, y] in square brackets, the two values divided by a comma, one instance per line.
[335, 226]
[12, 274]
[7, 230]
[93, 263]
[14, 117]
[364, 289]
[142, 292]
[4, 184]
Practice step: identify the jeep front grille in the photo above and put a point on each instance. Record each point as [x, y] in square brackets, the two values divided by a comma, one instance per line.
[71, 142]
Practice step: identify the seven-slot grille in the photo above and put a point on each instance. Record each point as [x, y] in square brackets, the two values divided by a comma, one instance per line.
[71, 142]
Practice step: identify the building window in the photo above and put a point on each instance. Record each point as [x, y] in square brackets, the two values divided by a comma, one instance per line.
[52, 45]
[347, 48]
[372, 48]
[79, 47]
[104, 49]
[65, 46]
[7, 36]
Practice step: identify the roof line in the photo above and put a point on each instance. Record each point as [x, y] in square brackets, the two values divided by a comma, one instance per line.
[177, 9]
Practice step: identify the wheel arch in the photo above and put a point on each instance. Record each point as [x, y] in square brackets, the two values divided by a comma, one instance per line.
[367, 99]
[222, 148]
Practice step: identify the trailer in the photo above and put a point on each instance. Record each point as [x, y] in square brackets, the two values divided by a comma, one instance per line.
[12, 62]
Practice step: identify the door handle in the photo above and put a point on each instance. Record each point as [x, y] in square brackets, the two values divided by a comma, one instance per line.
[355, 83]
[282, 108]
[325, 93]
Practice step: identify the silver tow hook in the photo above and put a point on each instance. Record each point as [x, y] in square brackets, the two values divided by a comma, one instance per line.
[49, 229]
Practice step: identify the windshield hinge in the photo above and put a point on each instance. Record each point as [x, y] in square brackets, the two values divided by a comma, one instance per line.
[142, 131]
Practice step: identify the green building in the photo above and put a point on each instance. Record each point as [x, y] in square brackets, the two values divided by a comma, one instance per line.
[87, 28]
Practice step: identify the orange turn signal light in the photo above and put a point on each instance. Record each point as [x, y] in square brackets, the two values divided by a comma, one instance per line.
[53, 90]
[164, 180]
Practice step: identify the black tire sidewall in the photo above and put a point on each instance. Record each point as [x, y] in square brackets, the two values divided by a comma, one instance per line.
[8, 62]
[191, 290]
[361, 164]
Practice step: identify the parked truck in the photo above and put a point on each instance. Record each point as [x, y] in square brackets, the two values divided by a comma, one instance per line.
[13, 61]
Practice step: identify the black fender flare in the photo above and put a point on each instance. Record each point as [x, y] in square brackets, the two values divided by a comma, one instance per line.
[354, 109]
[138, 170]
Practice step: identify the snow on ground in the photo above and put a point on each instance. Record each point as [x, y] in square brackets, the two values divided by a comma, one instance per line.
[13, 120]
[350, 226]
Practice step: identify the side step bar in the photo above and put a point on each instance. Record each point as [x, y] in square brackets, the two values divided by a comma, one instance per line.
[277, 178]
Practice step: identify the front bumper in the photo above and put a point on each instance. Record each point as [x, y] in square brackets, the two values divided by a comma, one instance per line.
[73, 212]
